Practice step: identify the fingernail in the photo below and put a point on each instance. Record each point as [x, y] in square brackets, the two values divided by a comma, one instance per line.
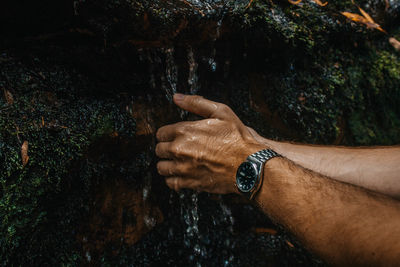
[179, 97]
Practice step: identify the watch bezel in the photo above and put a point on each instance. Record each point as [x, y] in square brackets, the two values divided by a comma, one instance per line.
[256, 174]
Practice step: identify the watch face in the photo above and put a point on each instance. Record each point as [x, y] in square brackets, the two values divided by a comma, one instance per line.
[246, 176]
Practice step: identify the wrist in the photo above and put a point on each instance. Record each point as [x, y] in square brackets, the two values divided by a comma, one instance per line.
[273, 186]
[246, 152]
[274, 145]
[250, 173]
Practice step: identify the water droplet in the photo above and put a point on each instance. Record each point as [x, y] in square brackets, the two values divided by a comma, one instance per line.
[193, 79]
[197, 249]
[213, 64]
[149, 221]
[88, 257]
[171, 72]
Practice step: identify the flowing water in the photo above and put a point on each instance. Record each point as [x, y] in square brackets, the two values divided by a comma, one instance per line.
[166, 78]
[188, 200]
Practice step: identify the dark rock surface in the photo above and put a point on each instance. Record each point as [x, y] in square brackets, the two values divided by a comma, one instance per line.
[87, 83]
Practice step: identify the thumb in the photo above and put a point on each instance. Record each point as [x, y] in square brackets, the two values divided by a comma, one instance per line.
[203, 107]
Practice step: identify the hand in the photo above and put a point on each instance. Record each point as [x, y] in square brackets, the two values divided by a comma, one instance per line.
[204, 155]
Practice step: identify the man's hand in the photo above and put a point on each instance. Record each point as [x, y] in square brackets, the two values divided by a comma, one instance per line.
[204, 155]
[344, 224]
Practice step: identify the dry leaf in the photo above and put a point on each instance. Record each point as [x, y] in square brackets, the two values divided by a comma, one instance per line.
[8, 96]
[320, 3]
[295, 2]
[197, 9]
[367, 19]
[354, 17]
[366, 15]
[289, 243]
[24, 153]
[249, 4]
[363, 20]
[146, 21]
[261, 230]
[395, 43]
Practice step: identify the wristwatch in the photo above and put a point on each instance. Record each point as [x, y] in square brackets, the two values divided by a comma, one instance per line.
[249, 175]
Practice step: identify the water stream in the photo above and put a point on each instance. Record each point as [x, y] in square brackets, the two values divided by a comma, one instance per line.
[163, 72]
[188, 199]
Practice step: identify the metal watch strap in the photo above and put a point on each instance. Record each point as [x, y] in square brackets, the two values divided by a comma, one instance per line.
[262, 157]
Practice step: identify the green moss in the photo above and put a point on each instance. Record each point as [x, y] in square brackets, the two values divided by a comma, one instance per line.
[322, 75]
[344, 71]
[41, 204]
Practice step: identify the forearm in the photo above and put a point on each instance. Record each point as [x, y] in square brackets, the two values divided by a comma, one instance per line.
[342, 223]
[377, 169]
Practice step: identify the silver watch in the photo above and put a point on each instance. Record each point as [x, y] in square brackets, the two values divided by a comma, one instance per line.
[249, 174]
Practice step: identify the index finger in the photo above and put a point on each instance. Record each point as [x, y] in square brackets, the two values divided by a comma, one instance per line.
[168, 133]
[203, 107]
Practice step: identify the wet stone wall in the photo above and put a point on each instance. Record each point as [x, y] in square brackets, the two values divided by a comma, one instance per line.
[86, 84]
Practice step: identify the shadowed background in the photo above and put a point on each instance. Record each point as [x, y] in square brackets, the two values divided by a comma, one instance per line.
[85, 85]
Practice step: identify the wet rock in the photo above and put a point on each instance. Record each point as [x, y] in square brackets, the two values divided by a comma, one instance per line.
[118, 215]
[91, 81]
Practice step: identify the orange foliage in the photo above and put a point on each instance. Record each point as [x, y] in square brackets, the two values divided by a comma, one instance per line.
[8, 96]
[294, 2]
[262, 230]
[365, 19]
[24, 153]
[249, 4]
[318, 2]
[289, 243]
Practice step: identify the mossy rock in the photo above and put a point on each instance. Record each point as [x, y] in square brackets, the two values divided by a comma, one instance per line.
[89, 90]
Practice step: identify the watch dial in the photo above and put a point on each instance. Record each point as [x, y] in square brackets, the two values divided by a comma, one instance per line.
[246, 176]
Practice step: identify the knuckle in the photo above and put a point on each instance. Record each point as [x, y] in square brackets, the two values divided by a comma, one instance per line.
[157, 150]
[158, 134]
[233, 125]
[159, 166]
[224, 108]
[210, 121]
[176, 150]
[171, 170]
[169, 183]
[183, 169]
[228, 126]
[195, 99]
[200, 187]
[173, 149]
[177, 185]
[173, 183]
[249, 137]
[180, 130]
[200, 157]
